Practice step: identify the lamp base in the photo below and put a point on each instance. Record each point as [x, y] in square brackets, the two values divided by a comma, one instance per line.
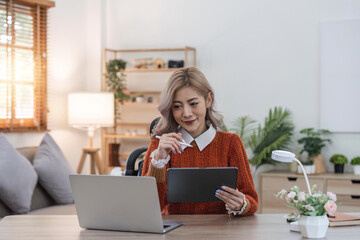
[94, 159]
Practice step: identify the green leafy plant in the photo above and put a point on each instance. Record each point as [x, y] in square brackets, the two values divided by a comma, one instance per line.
[338, 159]
[318, 204]
[307, 163]
[355, 161]
[275, 134]
[244, 127]
[313, 141]
[116, 79]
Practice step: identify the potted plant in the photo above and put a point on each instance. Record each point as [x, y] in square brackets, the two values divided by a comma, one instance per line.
[312, 209]
[339, 161]
[116, 79]
[313, 143]
[308, 165]
[356, 162]
[275, 134]
[116, 83]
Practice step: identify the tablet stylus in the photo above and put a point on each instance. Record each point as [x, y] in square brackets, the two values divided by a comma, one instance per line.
[182, 143]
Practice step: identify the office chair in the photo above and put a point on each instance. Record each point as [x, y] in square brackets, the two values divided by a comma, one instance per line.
[131, 160]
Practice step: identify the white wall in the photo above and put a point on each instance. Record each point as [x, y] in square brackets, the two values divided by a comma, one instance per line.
[256, 54]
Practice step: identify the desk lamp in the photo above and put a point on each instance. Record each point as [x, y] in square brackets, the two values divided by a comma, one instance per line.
[285, 156]
[90, 111]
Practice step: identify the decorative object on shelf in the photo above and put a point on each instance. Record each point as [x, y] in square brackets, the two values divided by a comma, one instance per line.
[175, 63]
[339, 161]
[356, 162]
[140, 63]
[114, 149]
[140, 98]
[312, 208]
[294, 167]
[158, 63]
[116, 79]
[90, 111]
[276, 134]
[309, 168]
[313, 143]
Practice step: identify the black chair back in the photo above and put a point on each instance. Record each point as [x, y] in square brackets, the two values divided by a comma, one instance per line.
[131, 160]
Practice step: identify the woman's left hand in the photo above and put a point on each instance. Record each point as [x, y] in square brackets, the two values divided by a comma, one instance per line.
[232, 197]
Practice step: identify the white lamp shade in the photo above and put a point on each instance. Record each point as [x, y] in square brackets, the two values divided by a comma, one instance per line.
[282, 156]
[91, 109]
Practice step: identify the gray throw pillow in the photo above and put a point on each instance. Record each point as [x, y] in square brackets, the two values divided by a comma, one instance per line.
[17, 178]
[53, 170]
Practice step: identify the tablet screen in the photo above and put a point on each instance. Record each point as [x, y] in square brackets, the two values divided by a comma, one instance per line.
[198, 184]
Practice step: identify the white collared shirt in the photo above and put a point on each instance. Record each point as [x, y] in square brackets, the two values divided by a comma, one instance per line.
[201, 141]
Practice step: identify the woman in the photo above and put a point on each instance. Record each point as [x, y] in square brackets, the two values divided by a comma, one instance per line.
[187, 109]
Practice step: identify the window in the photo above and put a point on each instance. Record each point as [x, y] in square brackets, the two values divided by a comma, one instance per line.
[23, 67]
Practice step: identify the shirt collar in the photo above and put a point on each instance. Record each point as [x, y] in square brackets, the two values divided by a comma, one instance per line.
[201, 141]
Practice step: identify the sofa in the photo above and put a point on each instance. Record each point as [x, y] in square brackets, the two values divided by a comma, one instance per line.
[41, 202]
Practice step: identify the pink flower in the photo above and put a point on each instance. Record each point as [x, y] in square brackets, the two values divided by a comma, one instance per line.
[290, 196]
[330, 207]
[301, 197]
[332, 196]
[309, 207]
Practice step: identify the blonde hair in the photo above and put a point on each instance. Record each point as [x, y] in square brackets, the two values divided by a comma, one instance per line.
[185, 77]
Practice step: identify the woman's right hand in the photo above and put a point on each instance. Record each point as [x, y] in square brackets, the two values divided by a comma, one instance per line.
[169, 142]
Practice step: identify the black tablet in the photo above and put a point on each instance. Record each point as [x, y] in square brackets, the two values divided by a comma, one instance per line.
[198, 184]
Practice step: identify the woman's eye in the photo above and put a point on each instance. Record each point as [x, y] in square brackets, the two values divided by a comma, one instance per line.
[194, 104]
[177, 106]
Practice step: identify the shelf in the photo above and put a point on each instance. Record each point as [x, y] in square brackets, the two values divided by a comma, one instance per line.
[152, 50]
[133, 124]
[124, 155]
[145, 137]
[151, 70]
[146, 92]
[134, 117]
[141, 103]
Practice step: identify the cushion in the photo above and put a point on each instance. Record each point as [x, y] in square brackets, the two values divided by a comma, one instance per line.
[53, 170]
[17, 178]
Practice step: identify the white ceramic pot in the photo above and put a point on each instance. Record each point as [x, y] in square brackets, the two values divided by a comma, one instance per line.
[313, 226]
[357, 169]
[309, 169]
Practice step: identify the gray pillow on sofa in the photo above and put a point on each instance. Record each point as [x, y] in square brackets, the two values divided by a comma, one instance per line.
[17, 178]
[53, 170]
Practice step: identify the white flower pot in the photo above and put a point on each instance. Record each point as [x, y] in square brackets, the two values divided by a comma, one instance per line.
[309, 169]
[357, 169]
[313, 226]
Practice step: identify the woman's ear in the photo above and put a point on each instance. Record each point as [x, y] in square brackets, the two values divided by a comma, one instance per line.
[209, 99]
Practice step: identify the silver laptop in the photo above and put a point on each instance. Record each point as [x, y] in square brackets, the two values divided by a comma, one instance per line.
[122, 203]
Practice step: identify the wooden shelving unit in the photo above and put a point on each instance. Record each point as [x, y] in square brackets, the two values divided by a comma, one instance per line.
[131, 129]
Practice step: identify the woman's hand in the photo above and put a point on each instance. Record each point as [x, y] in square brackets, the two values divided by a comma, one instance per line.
[232, 197]
[169, 142]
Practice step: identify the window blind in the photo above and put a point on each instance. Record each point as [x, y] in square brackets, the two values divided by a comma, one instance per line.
[23, 35]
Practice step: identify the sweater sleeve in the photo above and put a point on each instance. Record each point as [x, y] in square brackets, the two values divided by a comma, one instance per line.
[159, 174]
[245, 183]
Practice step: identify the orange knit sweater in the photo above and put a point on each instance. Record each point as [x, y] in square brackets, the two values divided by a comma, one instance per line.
[225, 150]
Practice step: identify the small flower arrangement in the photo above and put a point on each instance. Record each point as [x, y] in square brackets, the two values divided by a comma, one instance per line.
[318, 204]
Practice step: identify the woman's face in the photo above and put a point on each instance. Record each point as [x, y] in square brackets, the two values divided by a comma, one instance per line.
[189, 110]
